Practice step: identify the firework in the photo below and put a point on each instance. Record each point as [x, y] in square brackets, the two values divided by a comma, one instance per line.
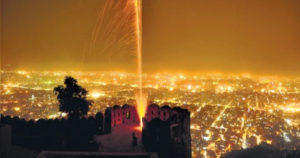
[119, 28]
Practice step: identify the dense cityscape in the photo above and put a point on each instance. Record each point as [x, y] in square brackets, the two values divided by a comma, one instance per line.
[227, 111]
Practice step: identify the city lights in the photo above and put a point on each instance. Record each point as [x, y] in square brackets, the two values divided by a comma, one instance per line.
[228, 112]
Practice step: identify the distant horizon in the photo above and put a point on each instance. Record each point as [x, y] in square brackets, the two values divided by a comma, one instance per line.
[167, 72]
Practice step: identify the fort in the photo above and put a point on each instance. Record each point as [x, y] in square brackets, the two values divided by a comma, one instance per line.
[171, 126]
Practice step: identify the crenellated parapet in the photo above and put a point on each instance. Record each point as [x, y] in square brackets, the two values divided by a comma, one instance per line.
[126, 114]
[167, 131]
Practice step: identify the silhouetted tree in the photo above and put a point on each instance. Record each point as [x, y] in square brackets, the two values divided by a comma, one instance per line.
[72, 98]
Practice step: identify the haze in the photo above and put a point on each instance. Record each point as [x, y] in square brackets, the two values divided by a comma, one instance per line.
[260, 36]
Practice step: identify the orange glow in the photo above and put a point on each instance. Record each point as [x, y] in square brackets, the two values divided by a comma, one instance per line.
[138, 128]
[22, 72]
[17, 109]
[141, 101]
[96, 94]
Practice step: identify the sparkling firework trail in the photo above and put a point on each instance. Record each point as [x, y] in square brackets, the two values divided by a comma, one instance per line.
[119, 28]
[114, 30]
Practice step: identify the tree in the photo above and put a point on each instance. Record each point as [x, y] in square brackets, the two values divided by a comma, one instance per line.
[72, 98]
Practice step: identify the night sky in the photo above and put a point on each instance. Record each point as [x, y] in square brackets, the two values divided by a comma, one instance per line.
[260, 37]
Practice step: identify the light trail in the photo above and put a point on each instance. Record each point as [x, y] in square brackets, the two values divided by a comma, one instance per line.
[245, 130]
[203, 105]
[141, 99]
[213, 124]
[221, 114]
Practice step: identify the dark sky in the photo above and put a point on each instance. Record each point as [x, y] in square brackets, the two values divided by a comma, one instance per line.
[255, 36]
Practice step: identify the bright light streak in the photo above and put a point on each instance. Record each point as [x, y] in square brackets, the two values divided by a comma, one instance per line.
[141, 99]
[291, 108]
[221, 114]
